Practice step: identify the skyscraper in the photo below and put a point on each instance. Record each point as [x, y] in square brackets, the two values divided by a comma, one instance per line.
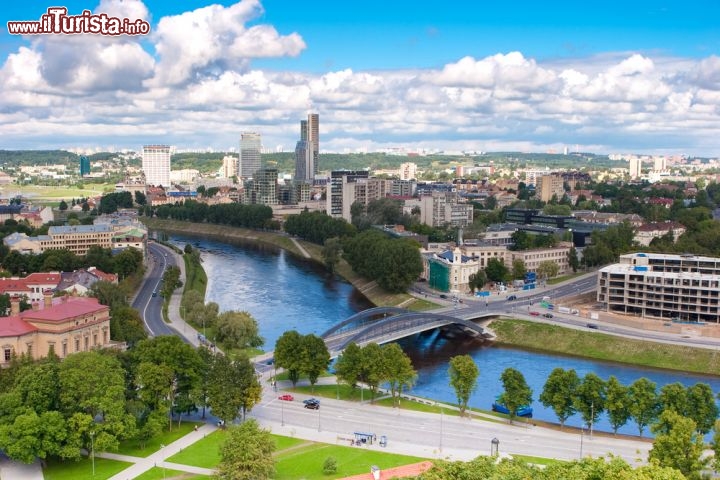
[250, 146]
[84, 166]
[307, 149]
[156, 164]
[635, 167]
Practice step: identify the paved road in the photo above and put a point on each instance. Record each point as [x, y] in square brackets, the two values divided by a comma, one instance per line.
[150, 307]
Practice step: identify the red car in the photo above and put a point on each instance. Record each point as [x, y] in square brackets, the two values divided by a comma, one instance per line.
[287, 397]
[535, 314]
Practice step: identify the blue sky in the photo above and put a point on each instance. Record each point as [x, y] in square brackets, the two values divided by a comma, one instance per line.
[612, 76]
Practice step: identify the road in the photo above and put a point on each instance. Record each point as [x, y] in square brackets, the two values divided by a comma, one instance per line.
[150, 307]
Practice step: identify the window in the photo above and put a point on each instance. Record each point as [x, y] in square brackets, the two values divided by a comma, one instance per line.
[64, 349]
[94, 339]
[77, 344]
[87, 343]
[7, 354]
[51, 349]
[29, 350]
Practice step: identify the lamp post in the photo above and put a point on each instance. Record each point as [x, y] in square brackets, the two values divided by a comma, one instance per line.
[92, 450]
[582, 434]
[494, 447]
[282, 413]
[318, 417]
[441, 428]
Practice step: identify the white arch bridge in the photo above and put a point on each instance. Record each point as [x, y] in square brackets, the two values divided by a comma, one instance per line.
[386, 324]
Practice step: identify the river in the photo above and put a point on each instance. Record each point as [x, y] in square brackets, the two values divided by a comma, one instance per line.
[283, 293]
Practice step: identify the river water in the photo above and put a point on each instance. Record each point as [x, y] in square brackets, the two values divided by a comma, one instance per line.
[283, 293]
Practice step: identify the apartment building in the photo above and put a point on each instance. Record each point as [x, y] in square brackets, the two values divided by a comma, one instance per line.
[548, 186]
[664, 286]
[440, 208]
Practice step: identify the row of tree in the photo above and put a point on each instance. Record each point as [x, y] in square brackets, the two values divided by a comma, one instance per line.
[56, 409]
[233, 214]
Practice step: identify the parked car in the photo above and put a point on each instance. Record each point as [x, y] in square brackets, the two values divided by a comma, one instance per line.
[512, 297]
[548, 315]
[535, 314]
[313, 405]
[287, 397]
[592, 325]
[311, 400]
[442, 295]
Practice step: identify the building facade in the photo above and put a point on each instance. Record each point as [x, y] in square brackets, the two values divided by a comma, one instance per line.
[62, 325]
[250, 148]
[229, 166]
[264, 187]
[156, 164]
[664, 286]
[337, 195]
[548, 186]
[450, 271]
[444, 208]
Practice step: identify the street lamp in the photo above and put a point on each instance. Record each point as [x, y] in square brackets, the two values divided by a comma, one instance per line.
[582, 434]
[92, 451]
[441, 428]
[282, 414]
[318, 417]
[494, 447]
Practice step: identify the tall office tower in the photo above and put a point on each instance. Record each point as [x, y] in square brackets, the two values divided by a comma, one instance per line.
[156, 164]
[250, 146]
[84, 166]
[635, 167]
[313, 138]
[307, 149]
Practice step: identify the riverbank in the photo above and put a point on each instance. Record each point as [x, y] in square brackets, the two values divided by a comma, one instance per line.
[599, 346]
[369, 289]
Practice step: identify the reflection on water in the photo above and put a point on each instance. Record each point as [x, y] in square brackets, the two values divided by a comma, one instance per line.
[283, 293]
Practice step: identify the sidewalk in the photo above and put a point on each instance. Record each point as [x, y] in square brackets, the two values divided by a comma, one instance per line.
[10, 470]
[157, 459]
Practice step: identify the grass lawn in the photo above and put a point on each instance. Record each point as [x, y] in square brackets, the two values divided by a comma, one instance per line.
[563, 278]
[420, 305]
[537, 460]
[81, 470]
[307, 462]
[551, 338]
[50, 193]
[133, 447]
[157, 473]
[204, 453]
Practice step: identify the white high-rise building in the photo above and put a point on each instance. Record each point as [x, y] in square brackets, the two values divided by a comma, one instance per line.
[229, 166]
[659, 164]
[250, 148]
[635, 167]
[156, 164]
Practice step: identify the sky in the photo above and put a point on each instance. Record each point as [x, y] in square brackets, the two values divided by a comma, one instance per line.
[605, 77]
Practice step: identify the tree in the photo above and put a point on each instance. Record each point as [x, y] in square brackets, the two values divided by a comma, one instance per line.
[518, 269]
[701, 407]
[238, 329]
[315, 357]
[400, 372]
[140, 198]
[247, 453]
[288, 354]
[617, 403]
[374, 370]
[463, 378]
[232, 387]
[558, 393]
[496, 270]
[331, 253]
[477, 280]
[516, 393]
[678, 445]
[521, 240]
[673, 396]
[573, 260]
[348, 365]
[590, 398]
[716, 445]
[330, 466]
[63, 205]
[128, 262]
[644, 405]
[547, 269]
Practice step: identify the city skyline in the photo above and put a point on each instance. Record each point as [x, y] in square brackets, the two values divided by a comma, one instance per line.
[606, 78]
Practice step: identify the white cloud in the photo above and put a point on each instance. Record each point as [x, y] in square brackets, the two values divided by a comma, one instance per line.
[212, 39]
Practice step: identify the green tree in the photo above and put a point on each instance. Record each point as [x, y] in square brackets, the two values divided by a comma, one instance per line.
[348, 366]
[644, 404]
[289, 354]
[547, 269]
[238, 329]
[315, 357]
[590, 398]
[521, 240]
[673, 396]
[330, 466]
[617, 403]
[140, 198]
[518, 269]
[331, 253]
[374, 370]
[232, 387]
[716, 445]
[573, 260]
[558, 393]
[701, 407]
[463, 378]
[63, 205]
[678, 445]
[496, 270]
[247, 453]
[477, 280]
[516, 392]
[400, 372]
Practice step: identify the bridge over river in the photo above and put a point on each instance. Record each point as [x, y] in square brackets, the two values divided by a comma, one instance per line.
[386, 324]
